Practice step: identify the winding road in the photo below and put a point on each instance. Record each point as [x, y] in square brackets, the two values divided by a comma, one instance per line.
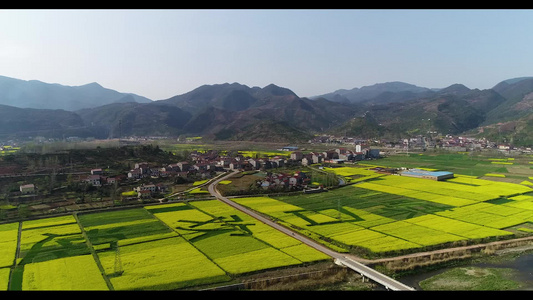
[365, 271]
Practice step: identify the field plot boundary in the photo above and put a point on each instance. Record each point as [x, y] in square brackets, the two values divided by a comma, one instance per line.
[210, 242]
[462, 193]
[233, 240]
[160, 247]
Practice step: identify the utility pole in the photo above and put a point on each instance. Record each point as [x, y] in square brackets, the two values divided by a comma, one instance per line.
[118, 262]
[339, 208]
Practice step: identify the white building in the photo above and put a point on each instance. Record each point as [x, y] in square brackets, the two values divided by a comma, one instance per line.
[94, 180]
[27, 189]
[149, 187]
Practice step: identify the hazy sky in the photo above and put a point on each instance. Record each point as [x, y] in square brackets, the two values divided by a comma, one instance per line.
[162, 53]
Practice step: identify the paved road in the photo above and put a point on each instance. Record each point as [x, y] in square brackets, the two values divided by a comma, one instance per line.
[339, 258]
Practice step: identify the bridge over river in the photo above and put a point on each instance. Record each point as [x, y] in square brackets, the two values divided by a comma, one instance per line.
[358, 267]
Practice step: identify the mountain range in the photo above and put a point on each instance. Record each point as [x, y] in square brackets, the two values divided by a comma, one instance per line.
[37, 94]
[233, 111]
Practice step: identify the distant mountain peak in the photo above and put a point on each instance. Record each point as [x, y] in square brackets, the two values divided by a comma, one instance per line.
[93, 84]
[455, 88]
[367, 93]
[517, 79]
[41, 95]
[236, 111]
[278, 91]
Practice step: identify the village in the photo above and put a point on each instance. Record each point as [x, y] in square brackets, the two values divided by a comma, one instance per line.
[450, 143]
[206, 165]
[153, 179]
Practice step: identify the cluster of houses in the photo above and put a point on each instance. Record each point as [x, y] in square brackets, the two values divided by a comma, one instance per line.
[202, 165]
[272, 181]
[459, 143]
[448, 142]
[98, 178]
[420, 142]
[145, 191]
[338, 155]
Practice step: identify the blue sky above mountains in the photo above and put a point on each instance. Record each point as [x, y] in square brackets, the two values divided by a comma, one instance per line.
[162, 53]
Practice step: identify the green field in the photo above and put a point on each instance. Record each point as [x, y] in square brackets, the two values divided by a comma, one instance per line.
[8, 150]
[198, 243]
[464, 163]
[250, 149]
[385, 214]
[163, 247]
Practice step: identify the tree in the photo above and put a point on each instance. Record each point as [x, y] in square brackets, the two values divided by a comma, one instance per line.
[114, 190]
[23, 211]
[52, 180]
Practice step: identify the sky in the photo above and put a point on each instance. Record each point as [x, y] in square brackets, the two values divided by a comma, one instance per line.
[159, 54]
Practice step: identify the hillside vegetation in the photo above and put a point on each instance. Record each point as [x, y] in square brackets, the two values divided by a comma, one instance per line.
[238, 112]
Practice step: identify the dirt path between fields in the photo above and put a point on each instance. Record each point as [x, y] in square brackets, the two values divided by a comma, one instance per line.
[518, 243]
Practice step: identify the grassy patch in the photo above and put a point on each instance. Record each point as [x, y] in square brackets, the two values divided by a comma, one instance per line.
[472, 279]
[200, 182]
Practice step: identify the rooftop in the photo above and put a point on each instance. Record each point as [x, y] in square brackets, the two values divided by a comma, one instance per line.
[418, 172]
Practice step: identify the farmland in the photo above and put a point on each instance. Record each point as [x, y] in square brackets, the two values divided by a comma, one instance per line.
[196, 244]
[514, 169]
[7, 150]
[163, 247]
[380, 215]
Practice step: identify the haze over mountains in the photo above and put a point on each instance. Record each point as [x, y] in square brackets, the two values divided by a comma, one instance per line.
[37, 94]
[238, 112]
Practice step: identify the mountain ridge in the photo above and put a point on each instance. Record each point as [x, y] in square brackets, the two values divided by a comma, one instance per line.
[37, 94]
[234, 111]
[365, 93]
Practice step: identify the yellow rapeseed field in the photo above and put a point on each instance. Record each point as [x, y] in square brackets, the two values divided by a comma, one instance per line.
[73, 273]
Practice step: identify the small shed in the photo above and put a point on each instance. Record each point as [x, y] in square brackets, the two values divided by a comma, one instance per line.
[27, 189]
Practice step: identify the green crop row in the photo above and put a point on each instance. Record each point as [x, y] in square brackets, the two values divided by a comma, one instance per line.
[457, 227]
[8, 244]
[490, 215]
[173, 246]
[53, 254]
[171, 263]
[393, 213]
[4, 278]
[156, 247]
[67, 273]
[233, 240]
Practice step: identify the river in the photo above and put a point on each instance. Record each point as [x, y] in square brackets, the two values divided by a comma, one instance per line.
[523, 264]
